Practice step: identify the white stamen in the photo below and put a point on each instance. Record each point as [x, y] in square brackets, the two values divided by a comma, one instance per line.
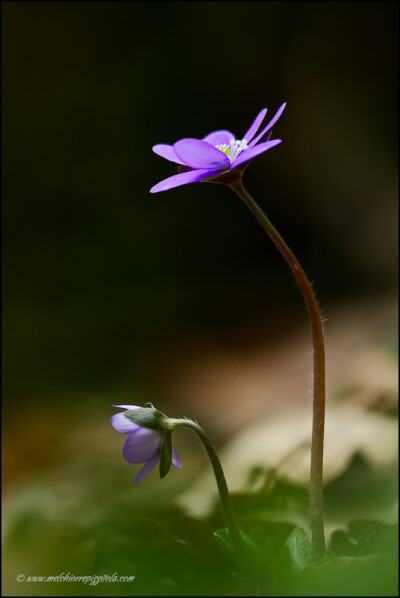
[235, 147]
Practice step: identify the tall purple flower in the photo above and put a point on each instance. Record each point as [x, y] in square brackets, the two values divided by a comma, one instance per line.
[214, 156]
[144, 445]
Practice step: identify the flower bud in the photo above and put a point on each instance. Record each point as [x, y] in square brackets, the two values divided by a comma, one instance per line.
[148, 417]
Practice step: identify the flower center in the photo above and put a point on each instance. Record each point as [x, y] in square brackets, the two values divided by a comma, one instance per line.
[233, 149]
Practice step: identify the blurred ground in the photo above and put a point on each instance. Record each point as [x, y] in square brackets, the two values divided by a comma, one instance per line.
[229, 387]
[224, 388]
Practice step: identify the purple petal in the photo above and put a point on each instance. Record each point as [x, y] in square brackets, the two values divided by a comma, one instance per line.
[219, 138]
[168, 152]
[142, 445]
[147, 468]
[122, 424]
[184, 178]
[251, 153]
[200, 154]
[269, 125]
[127, 406]
[175, 459]
[255, 126]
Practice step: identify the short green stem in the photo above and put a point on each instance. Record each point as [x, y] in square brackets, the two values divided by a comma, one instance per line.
[224, 495]
[317, 442]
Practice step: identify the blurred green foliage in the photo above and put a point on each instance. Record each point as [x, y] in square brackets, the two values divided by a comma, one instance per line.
[173, 554]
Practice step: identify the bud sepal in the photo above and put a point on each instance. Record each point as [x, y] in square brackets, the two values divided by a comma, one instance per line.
[148, 417]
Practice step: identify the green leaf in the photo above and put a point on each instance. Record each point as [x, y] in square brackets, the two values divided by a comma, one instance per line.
[300, 550]
[224, 540]
[165, 454]
[251, 548]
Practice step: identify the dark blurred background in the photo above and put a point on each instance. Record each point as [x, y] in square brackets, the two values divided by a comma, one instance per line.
[105, 285]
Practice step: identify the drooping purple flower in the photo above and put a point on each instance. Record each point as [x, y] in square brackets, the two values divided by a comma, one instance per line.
[143, 445]
[215, 155]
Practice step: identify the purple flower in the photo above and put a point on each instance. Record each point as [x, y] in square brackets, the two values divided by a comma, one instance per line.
[215, 155]
[143, 445]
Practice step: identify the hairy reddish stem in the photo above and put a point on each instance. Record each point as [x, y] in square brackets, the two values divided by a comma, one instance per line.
[317, 442]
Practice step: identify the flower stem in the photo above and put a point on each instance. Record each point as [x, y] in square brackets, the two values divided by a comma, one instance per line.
[224, 495]
[317, 442]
